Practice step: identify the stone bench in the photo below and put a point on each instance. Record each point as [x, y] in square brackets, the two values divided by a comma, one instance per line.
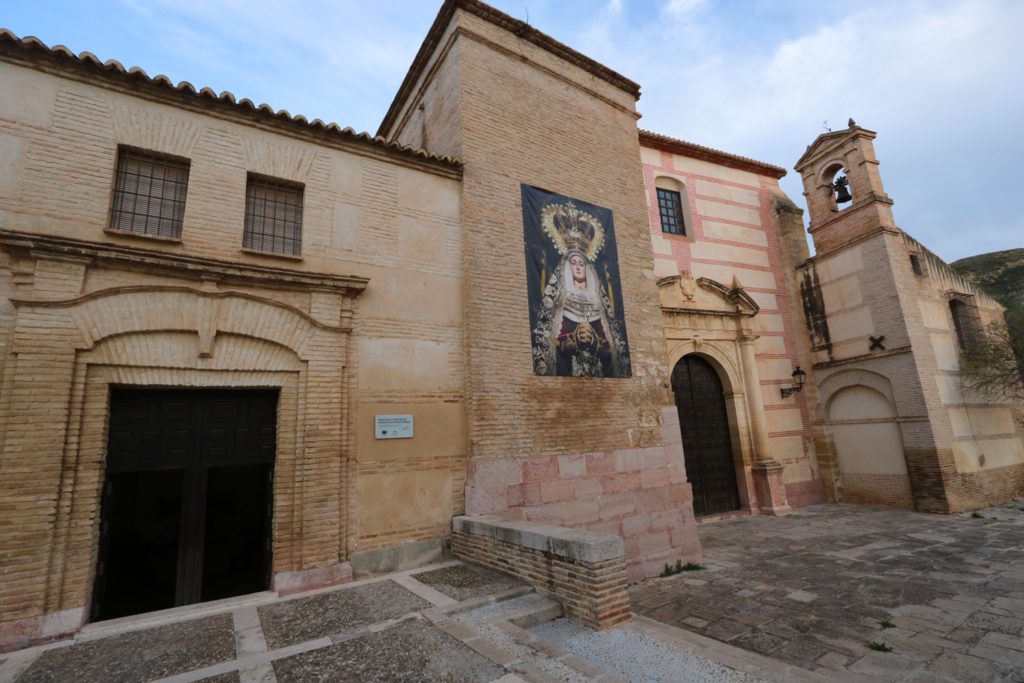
[583, 570]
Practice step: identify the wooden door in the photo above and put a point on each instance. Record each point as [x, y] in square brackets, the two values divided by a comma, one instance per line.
[187, 500]
[707, 443]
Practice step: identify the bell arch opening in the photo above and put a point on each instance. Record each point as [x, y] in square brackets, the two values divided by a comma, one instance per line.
[837, 185]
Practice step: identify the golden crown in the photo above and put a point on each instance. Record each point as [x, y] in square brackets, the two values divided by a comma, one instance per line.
[572, 230]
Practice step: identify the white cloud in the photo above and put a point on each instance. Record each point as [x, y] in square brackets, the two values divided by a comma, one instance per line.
[935, 79]
[682, 8]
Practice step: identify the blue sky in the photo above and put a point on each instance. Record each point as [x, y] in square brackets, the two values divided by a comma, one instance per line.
[939, 80]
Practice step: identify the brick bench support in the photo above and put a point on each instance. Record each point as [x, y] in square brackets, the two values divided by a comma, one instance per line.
[583, 570]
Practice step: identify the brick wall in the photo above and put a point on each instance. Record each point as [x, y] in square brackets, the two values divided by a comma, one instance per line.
[527, 113]
[200, 311]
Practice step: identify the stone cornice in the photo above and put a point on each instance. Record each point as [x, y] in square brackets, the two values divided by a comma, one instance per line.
[179, 265]
[827, 142]
[743, 303]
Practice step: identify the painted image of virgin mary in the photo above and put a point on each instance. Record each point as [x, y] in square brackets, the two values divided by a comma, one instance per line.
[576, 332]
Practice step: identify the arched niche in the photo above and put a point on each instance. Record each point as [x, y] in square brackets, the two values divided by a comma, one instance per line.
[865, 430]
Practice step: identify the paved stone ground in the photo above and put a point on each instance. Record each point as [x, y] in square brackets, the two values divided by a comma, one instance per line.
[818, 587]
[389, 629]
[798, 598]
[447, 622]
[168, 649]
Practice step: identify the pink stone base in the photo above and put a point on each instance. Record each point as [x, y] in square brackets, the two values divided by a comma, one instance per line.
[287, 583]
[771, 491]
[639, 494]
[30, 631]
[803, 493]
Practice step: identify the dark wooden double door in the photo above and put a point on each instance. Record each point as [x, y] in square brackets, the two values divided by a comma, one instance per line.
[707, 442]
[187, 500]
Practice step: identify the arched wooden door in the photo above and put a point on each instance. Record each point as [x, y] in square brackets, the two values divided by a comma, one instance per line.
[707, 445]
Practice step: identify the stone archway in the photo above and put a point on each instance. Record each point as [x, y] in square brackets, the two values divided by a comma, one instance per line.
[712, 320]
[219, 329]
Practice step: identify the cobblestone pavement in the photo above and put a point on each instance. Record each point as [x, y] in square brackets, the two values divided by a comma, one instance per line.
[829, 587]
[390, 629]
[447, 622]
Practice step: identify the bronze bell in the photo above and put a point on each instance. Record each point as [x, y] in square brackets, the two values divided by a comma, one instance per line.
[842, 191]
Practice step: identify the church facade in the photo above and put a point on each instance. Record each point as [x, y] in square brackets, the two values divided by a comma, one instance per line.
[245, 351]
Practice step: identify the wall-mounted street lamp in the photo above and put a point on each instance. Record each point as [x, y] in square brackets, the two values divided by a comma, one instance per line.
[799, 377]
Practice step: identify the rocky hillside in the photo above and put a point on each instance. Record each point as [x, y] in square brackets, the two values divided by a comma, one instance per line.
[1000, 273]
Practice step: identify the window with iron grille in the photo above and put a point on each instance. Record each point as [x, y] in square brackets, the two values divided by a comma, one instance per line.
[915, 264]
[970, 333]
[670, 206]
[273, 216]
[149, 194]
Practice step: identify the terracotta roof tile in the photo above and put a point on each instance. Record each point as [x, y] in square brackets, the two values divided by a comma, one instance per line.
[33, 47]
[709, 154]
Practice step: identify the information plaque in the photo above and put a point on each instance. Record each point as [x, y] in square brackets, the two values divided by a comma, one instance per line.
[392, 426]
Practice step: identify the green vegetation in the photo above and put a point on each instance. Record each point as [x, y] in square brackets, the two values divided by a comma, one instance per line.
[976, 515]
[885, 623]
[680, 568]
[996, 367]
[999, 273]
[881, 647]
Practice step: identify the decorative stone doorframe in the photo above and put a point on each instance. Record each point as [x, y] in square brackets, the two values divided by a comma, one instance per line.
[707, 318]
[165, 321]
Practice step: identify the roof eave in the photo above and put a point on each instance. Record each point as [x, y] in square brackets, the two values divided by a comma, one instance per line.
[33, 53]
[695, 151]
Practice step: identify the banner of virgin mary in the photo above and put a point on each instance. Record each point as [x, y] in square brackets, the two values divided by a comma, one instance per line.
[577, 324]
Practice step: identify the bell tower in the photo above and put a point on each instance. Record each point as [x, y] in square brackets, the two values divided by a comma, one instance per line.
[843, 187]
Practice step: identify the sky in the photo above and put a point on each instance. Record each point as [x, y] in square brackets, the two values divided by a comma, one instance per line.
[938, 80]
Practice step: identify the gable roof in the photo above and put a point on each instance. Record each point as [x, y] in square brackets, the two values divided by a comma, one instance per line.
[832, 136]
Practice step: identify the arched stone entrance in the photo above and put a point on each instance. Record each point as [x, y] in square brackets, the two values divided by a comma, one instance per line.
[124, 320]
[707, 442]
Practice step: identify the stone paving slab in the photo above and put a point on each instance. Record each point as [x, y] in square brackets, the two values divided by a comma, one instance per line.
[229, 677]
[140, 656]
[413, 650]
[301, 619]
[818, 587]
[464, 581]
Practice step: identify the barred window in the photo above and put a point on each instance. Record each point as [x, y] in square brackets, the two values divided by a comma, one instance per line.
[915, 264]
[970, 333]
[149, 194]
[670, 205]
[273, 216]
